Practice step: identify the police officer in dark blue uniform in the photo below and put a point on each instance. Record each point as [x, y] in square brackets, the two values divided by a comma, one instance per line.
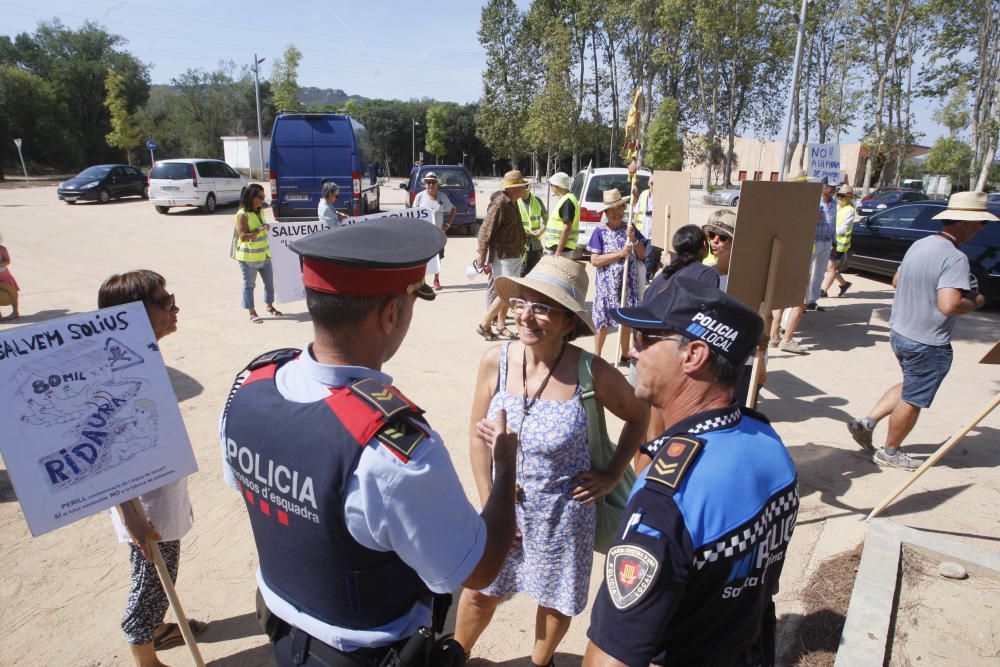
[360, 522]
[704, 535]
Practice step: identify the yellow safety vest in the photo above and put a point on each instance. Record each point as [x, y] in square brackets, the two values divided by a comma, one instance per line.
[554, 228]
[531, 215]
[639, 216]
[844, 240]
[256, 249]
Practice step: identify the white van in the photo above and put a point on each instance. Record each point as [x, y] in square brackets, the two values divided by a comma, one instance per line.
[194, 182]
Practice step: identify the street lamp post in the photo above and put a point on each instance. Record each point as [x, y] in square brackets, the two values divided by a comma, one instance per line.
[413, 141]
[791, 91]
[260, 135]
[17, 142]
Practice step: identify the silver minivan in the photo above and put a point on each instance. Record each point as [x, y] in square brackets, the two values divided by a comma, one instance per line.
[194, 182]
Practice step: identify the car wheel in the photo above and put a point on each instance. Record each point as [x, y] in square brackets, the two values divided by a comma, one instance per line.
[145, 192]
[736, 202]
[162, 209]
[70, 201]
[209, 206]
[104, 196]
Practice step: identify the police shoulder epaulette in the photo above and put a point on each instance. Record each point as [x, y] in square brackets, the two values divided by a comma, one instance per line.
[384, 398]
[401, 437]
[673, 461]
[756, 415]
[279, 357]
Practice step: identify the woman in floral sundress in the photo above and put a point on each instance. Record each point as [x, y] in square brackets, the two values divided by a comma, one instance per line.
[536, 380]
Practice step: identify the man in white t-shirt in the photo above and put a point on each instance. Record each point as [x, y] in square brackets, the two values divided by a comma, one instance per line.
[933, 287]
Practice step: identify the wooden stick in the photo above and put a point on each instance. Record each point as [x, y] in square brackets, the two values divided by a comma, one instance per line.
[665, 243]
[936, 456]
[765, 308]
[168, 587]
[623, 331]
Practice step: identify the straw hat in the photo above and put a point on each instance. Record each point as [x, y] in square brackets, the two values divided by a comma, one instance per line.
[723, 221]
[799, 177]
[613, 198]
[513, 179]
[560, 179]
[967, 206]
[560, 279]
[431, 176]
[845, 190]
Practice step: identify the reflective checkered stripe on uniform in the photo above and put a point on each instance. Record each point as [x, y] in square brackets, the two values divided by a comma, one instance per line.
[745, 538]
[715, 423]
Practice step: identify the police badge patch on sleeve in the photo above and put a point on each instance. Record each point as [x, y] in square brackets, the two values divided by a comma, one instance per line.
[629, 572]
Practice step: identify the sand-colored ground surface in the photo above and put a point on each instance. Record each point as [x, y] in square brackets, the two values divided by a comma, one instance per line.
[61, 594]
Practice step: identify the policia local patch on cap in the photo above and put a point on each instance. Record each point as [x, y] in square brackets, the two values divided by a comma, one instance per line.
[629, 572]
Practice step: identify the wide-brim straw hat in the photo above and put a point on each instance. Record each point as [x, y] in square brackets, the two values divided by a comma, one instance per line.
[845, 190]
[430, 176]
[724, 222]
[560, 179]
[560, 279]
[613, 198]
[969, 206]
[513, 179]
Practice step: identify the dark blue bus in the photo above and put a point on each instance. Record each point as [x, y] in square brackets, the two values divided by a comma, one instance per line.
[310, 149]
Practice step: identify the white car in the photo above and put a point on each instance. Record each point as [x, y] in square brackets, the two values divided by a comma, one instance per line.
[589, 186]
[194, 182]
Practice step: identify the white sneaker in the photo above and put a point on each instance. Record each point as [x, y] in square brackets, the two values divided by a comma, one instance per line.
[792, 345]
[898, 460]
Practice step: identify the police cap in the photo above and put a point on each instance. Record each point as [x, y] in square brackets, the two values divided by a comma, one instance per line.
[698, 312]
[383, 257]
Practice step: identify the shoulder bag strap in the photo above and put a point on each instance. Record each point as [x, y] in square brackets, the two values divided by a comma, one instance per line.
[595, 414]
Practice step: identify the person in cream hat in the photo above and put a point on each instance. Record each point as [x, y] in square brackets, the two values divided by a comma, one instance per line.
[563, 226]
[933, 287]
[541, 381]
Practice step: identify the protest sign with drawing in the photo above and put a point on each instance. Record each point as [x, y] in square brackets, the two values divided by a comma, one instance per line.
[287, 270]
[89, 419]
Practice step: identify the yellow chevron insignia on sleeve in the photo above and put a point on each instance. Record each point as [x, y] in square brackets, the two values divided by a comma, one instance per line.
[400, 436]
[674, 460]
[380, 397]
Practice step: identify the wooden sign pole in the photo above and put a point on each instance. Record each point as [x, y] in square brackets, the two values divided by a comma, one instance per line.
[665, 241]
[936, 456]
[765, 308]
[168, 587]
[623, 331]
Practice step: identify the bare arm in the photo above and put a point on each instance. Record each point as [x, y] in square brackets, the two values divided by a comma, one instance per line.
[895, 279]
[243, 228]
[595, 657]
[142, 532]
[614, 392]
[952, 302]
[480, 450]
[604, 259]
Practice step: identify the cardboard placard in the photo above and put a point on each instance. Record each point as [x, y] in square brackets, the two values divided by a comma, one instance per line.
[768, 211]
[287, 271]
[992, 356]
[670, 189]
[89, 418]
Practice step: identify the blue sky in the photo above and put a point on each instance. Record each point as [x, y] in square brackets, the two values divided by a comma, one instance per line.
[373, 48]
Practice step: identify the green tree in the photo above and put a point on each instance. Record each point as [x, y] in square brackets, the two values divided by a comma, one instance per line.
[125, 133]
[549, 125]
[30, 110]
[285, 79]
[503, 108]
[664, 147]
[954, 113]
[204, 107]
[436, 121]
[950, 156]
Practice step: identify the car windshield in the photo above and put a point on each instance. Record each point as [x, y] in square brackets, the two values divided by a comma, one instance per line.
[890, 197]
[601, 183]
[453, 178]
[173, 171]
[94, 172]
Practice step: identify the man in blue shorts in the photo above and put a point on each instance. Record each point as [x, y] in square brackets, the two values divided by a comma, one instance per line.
[933, 287]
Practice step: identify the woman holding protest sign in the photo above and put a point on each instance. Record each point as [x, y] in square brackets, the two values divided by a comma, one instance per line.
[251, 249]
[168, 514]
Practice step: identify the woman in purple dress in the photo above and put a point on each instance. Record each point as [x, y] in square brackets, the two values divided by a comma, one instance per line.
[609, 247]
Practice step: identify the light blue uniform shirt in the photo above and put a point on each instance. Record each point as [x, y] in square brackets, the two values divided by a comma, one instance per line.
[417, 509]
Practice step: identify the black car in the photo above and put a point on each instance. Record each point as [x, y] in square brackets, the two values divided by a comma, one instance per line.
[103, 183]
[884, 199]
[879, 242]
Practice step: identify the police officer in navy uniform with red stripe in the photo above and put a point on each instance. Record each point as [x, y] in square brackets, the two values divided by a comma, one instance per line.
[359, 518]
[704, 535]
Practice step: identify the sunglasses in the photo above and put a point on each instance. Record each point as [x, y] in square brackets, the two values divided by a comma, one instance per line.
[166, 303]
[540, 310]
[724, 238]
[643, 338]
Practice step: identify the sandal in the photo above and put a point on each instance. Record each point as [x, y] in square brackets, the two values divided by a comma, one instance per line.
[487, 333]
[507, 333]
[274, 311]
[256, 319]
[171, 635]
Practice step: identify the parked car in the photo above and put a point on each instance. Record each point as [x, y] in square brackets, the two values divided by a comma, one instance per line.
[887, 199]
[879, 242]
[589, 186]
[723, 196]
[194, 182]
[455, 181]
[103, 183]
[310, 149]
[994, 198]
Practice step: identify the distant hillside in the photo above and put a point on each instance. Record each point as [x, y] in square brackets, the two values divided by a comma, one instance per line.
[325, 96]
